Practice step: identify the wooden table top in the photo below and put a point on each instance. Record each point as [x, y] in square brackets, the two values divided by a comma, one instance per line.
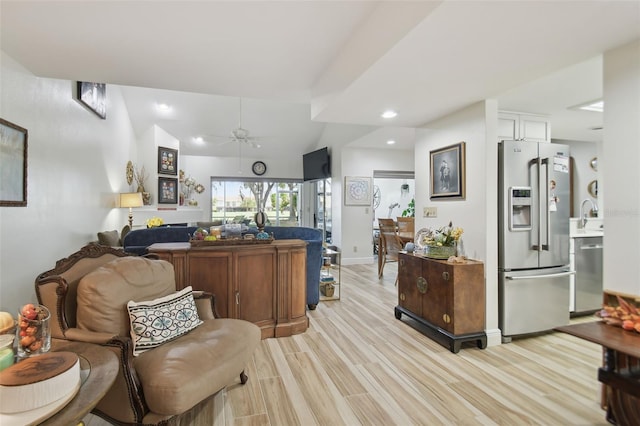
[616, 338]
[406, 236]
[98, 370]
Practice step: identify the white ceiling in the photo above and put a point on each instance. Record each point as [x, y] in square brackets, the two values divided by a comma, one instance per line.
[313, 71]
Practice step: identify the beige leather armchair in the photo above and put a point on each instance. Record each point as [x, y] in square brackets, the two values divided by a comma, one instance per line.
[173, 383]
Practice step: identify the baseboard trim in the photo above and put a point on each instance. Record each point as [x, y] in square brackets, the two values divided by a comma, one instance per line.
[357, 261]
[494, 337]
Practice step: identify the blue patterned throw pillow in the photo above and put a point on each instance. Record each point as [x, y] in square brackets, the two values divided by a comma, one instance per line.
[161, 320]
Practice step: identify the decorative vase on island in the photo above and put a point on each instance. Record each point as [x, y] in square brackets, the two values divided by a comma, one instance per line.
[261, 219]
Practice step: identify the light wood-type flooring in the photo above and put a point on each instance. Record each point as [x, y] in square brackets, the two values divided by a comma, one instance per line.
[358, 365]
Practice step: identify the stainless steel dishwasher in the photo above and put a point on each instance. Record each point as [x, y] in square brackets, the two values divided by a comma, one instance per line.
[588, 290]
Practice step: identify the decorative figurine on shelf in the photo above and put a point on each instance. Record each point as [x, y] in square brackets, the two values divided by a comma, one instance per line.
[261, 219]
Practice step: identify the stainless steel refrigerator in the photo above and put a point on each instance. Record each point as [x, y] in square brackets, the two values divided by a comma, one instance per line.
[533, 246]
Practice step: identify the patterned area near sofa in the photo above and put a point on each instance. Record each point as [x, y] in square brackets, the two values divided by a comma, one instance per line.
[138, 240]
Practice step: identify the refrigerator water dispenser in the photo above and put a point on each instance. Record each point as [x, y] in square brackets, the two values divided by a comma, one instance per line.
[520, 208]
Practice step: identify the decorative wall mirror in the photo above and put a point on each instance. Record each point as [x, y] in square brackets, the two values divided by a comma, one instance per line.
[593, 188]
[594, 163]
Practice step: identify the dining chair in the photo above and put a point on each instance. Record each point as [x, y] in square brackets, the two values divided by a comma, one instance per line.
[384, 225]
[390, 245]
[388, 225]
[406, 224]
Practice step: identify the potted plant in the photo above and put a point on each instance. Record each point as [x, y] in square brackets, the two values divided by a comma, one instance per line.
[410, 211]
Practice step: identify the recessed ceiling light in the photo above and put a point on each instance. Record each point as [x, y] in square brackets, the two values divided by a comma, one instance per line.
[390, 142]
[163, 107]
[198, 139]
[596, 106]
[389, 114]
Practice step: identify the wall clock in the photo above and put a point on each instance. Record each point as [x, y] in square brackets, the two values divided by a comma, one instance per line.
[259, 168]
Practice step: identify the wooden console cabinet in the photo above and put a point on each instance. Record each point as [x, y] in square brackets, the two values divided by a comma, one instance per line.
[261, 283]
[448, 299]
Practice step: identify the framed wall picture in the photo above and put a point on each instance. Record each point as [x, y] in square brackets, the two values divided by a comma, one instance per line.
[357, 191]
[13, 165]
[94, 97]
[167, 161]
[448, 172]
[167, 190]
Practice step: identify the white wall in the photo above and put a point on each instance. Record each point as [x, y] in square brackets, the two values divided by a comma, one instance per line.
[76, 165]
[477, 213]
[356, 233]
[619, 162]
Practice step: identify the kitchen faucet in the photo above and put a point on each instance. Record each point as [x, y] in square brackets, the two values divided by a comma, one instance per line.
[393, 206]
[583, 214]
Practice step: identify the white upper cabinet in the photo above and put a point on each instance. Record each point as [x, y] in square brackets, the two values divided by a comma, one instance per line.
[527, 127]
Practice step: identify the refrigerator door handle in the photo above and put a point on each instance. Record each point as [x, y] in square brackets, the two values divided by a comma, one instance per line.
[537, 277]
[537, 232]
[545, 162]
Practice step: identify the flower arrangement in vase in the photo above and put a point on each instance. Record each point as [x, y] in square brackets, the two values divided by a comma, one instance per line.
[441, 243]
[154, 221]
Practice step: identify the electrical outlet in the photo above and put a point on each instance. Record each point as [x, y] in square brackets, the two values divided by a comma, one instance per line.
[430, 212]
[355, 249]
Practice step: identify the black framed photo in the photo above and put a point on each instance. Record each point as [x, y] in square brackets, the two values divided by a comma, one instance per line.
[448, 172]
[167, 161]
[167, 190]
[13, 164]
[94, 97]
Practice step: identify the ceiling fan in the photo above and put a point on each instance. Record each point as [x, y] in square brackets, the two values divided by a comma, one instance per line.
[242, 135]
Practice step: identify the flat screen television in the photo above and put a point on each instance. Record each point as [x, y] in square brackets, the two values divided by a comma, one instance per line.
[316, 165]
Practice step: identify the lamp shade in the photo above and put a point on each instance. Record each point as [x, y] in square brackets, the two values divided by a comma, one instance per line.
[131, 199]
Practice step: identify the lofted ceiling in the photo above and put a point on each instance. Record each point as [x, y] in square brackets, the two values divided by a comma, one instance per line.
[320, 72]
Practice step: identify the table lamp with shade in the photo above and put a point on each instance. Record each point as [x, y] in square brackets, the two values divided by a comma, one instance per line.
[131, 199]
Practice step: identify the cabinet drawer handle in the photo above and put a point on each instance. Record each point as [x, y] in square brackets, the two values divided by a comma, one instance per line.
[401, 262]
[237, 297]
[402, 297]
[422, 285]
[445, 276]
[446, 318]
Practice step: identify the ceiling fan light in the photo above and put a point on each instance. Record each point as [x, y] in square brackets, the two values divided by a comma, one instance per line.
[240, 133]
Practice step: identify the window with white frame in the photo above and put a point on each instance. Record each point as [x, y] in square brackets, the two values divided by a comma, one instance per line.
[237, 201]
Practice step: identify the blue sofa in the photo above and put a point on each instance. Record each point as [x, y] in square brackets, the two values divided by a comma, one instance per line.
[138, 240]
